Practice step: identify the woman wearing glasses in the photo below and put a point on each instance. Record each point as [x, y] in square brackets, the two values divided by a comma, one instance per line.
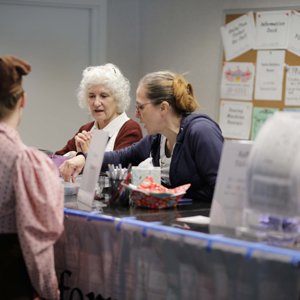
[104, 91]
[186, 145]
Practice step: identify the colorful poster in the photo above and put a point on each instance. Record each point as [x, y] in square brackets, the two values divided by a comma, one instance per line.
[292, 86]
[237, 81]
[259, 117]
[238, 36]
[272, 28]
[269, 75]
[235, 119]
[294, 33]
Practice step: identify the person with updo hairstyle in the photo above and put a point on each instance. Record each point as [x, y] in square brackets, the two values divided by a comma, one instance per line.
[105, 92]
[186, 145]
[31, 199]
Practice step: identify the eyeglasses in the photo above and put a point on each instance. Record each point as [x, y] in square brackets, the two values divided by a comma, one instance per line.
[140, 107]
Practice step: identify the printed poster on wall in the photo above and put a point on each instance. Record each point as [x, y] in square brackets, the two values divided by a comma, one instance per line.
[238, 36]
[294, 33]
[259, 116]
[292, 86]
[272, 29]
[237, 81]
[235, 119]
[269, 75]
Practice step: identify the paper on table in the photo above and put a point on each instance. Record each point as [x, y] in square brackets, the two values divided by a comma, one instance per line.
[230, 191]
[201, 220]
[92, 168]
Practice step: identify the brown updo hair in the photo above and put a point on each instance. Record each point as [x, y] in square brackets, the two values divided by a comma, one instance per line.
[12, 69]
[171, 87]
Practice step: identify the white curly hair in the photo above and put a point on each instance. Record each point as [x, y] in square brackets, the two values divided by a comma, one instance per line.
[109, 76]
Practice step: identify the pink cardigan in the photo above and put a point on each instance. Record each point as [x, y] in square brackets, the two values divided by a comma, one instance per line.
[32, 201]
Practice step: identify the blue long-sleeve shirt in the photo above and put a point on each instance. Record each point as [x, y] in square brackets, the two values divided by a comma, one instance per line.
[195, 158]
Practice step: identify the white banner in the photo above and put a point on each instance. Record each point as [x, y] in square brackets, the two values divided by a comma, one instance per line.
[99, 257]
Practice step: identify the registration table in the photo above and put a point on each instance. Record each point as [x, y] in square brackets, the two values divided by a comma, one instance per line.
[130, 253]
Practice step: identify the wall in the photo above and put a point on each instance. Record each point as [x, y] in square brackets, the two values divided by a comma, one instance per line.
[59, 38]
[123, 38]
[138, 35]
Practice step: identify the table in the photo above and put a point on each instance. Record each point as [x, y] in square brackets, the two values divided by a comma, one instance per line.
[142, 254]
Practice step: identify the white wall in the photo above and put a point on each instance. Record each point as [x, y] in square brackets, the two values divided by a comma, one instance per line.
[59, 39]
[123, 41]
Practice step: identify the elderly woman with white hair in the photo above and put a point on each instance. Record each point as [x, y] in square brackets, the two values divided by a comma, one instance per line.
[104, 91]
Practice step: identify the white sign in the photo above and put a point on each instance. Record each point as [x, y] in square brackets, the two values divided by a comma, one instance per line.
[292, 87]
[238, 36]
[91, 170]
[237, 81]
[230, 191]
[272, 28]
[269, 75]
[294, 34]
[235, 119]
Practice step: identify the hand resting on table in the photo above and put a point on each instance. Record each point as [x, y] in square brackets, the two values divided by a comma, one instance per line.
[70, 168]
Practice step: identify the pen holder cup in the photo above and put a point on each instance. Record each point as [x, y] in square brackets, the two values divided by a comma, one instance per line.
[117, 195]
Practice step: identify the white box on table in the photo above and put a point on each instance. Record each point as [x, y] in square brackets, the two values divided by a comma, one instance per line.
[140, 173]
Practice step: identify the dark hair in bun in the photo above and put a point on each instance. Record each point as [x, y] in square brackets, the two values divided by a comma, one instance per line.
[11, 71]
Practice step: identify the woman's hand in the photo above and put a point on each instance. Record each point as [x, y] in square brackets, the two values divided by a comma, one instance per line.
[70, 168]
[82, 141]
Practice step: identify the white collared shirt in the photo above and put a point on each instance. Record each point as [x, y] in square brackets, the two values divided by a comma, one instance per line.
[113, 128]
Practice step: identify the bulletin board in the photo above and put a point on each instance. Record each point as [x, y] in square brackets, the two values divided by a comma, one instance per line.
[259, 110]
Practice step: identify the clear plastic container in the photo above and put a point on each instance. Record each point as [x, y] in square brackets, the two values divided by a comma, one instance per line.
[271, 229]
[272, 207]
